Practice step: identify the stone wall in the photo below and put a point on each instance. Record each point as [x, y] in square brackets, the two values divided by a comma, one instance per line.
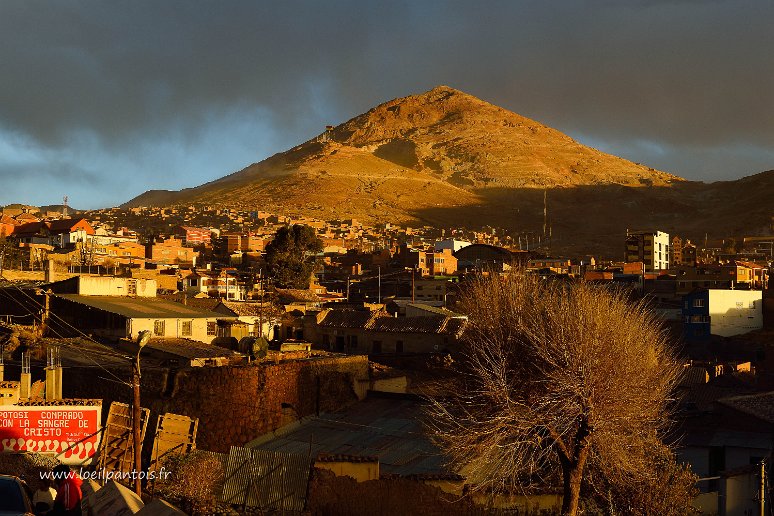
[234, 404]
[344, 496]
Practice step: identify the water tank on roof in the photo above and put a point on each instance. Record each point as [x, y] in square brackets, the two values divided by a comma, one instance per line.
[254, 347]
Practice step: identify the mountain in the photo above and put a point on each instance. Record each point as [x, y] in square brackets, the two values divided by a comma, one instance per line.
[446, 158]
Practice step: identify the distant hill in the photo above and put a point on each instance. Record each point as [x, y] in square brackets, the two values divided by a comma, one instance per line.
[41, 209]
[446, 158]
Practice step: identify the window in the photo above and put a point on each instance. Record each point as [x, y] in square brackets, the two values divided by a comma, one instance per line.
[376, 347]
[212, 327]
[399, 346]
[158, 328]
[353, 341]
[185, 329]
[698, 303]
[131, 287]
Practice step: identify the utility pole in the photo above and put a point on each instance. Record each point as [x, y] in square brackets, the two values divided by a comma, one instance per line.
[545, 212]
[142, 340]
[762, 487]
[260, 306]
[46, 310]
[413, 285]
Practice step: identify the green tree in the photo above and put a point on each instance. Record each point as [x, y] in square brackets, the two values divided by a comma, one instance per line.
[290, 255]
[558, 381]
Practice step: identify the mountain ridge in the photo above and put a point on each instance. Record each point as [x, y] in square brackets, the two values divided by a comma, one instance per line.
[447, 158]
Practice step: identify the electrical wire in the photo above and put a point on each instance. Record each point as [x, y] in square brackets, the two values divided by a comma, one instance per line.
[81, 350]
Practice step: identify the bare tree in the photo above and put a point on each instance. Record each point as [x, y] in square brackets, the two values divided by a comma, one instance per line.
[557, 379]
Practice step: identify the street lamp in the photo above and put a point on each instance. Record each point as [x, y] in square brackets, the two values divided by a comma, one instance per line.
[142, 339]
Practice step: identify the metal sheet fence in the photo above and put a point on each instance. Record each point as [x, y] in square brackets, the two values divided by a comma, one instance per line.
[266, 480]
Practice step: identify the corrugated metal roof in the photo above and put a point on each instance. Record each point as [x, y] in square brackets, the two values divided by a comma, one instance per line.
[189, 348]
[141, 308]
[346, 319]
[390, 429]
[382, 322]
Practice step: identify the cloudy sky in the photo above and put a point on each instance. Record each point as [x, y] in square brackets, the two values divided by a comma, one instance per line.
[102, 100]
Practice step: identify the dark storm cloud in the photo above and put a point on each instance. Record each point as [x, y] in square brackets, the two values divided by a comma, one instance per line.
[175, 93]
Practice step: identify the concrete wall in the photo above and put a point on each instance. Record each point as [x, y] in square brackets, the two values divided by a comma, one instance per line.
[734, 312]
[110, 286]
[738, 495]
[234, 404]
[173, 328]
[360, 471]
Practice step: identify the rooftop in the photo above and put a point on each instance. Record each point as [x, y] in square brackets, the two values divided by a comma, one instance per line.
[758, 405]
[387, 428]
[141, 308]
[381, 322]
[188, 348]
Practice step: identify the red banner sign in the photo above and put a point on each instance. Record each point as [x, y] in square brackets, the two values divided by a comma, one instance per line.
[71, 433]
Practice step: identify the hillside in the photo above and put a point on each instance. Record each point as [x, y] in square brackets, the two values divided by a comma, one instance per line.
[446, 158]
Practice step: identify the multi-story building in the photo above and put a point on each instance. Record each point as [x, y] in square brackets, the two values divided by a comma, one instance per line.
[170, 251]
[193, 237]
[648, 247]
[677, 251]
[721, 312]
[441, 262]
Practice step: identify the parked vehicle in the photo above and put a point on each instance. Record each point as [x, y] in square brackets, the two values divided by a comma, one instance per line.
[14, 497]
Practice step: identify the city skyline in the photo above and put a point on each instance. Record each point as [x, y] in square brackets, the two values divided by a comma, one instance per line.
[104, 102]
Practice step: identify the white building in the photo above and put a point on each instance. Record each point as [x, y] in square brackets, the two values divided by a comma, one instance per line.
[722, 312]
[105, 286]
[649, 247]
[450, 243]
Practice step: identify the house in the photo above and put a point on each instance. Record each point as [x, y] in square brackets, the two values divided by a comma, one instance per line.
[432, 291]
[556, 265]
[170, 251]
[376, 332]
[225, 284]
[194, 237]
[721, 312]
[127, 252]
[104, 286]
[441, 262]
[7, 225]
[261, 319]
[736, 274]
[451, 244]
[488, 257]
[725, 447]
[115, 317]
[64, 233]
[125, 317]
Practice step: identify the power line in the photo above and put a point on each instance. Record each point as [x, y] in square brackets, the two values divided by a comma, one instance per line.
[81, 350]
[63, 324]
